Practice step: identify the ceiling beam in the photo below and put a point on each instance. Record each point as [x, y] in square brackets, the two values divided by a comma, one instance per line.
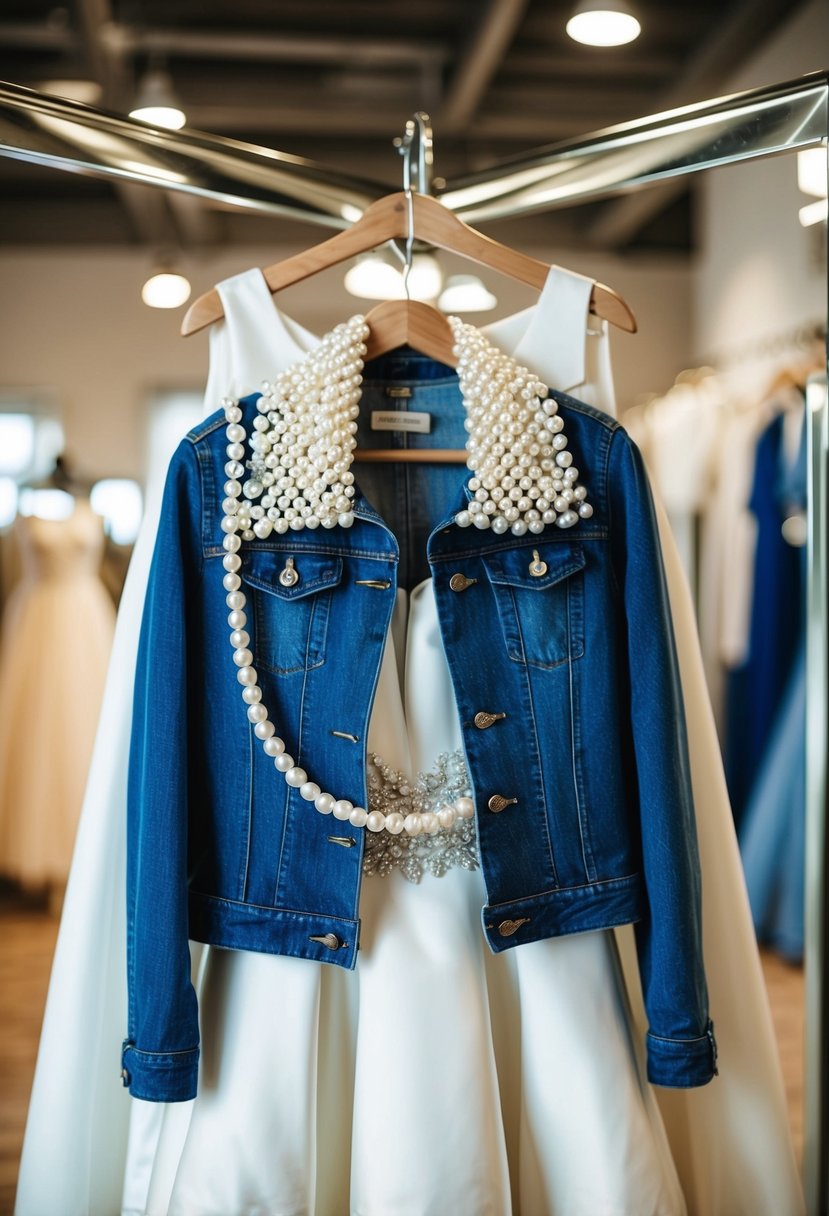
[149, 210]
[746, 24]
[478, 63]
[274, 48]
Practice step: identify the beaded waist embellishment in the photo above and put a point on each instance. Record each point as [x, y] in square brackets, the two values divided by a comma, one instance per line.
[446, 840]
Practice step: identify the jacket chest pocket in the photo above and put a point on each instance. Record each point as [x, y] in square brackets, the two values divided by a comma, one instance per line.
[540, 602]
[291, 606]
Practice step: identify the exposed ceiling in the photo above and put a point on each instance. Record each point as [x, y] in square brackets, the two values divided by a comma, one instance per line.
[335, 80]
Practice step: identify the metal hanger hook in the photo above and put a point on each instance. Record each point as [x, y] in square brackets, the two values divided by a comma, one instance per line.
[418, 136]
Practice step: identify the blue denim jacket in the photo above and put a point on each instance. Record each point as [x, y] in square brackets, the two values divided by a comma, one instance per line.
[592, 746]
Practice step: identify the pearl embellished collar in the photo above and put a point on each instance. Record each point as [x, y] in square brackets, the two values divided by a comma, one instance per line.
[300, 477]
[298, 470]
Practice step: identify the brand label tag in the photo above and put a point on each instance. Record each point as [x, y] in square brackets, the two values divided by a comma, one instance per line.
[401, 420]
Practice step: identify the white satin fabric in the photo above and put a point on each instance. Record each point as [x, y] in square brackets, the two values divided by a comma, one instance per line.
[729, 1141]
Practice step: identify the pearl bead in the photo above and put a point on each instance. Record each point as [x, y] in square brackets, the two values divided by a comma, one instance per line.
[585, 510]
[246, 675]
[394, 823]
[465, 807]
[231, 561]
[273, 746]
[242, 657]
[231, 582]
[342, 808]
[284, 762]
[429, 822]
[296, 777]
[257, 712]
[235, 600]
[264, 729]
[324, 803]
[375, 821]
[447, 816]
[309, 790]
[251, 693]
[412, 824]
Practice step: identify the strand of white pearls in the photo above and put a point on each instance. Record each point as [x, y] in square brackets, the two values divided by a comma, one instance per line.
[302, 445]
[415, 822]
[524, 477]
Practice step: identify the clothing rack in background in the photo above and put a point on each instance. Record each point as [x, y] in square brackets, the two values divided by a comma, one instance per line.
[745, 126]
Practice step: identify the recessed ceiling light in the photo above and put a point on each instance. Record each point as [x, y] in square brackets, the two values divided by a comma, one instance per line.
[603, 23]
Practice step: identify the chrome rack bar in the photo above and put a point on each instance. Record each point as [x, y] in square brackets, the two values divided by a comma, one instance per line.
[67, 135]
[744, 126]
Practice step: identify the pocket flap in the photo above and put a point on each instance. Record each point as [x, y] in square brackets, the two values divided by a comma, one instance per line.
[512, 566]
[261, 568]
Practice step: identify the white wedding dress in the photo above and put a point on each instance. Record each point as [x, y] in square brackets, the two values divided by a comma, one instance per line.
[436, 1077]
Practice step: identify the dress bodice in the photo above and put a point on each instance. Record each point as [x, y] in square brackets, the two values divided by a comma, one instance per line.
[61, 548]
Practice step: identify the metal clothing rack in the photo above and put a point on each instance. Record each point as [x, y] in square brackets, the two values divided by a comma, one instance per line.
[745, 126]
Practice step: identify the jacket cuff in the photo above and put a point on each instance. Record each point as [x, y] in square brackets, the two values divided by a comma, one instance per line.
[160, 1076]
[682, 1063]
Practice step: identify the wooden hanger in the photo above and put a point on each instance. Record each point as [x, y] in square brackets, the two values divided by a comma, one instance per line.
[434, 224]
[395, 323]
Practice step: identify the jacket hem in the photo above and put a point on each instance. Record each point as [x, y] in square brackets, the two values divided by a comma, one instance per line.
[233, 925]
[682, 1063]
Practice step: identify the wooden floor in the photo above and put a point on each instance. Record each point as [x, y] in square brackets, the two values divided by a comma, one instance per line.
[27, 940]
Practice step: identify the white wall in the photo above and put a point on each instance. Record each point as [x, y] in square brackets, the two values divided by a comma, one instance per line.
[73, 322]
[760, 274]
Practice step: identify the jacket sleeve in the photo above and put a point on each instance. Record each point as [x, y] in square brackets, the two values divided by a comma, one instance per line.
[161, 1051]
[680, 1041]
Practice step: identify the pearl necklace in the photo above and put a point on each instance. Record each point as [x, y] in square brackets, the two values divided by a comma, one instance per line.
[301, 477]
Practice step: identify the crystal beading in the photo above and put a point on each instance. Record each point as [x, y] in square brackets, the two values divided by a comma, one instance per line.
[298, 475]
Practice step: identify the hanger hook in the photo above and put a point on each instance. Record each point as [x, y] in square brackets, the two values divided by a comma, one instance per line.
[418, 136]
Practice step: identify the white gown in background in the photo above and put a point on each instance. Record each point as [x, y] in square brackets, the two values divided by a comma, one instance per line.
[729, 1142]
[57, 633]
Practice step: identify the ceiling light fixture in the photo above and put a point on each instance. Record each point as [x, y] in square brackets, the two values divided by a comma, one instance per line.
[466, 293]
[373, 278]
[603, 23]
[812, 179]
[156, 101]
[165, 289]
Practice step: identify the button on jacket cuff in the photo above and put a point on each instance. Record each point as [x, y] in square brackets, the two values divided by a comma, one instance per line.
[160, 1076]
[682, 1063]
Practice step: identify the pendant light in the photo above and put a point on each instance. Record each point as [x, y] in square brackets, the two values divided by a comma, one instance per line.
[466, 293]
[603, 23]
[156, 101]
[165, 289]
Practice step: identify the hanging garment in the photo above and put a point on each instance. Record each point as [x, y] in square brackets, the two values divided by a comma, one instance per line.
[773, 834]
[419, 1043]
[55, 648]
[756, 688]
[729, 1141]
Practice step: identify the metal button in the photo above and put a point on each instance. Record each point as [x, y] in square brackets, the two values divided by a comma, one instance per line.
[289, 576]
[125, 1076]
[483, 719]
[329, 940]
[538, 568]
[508, 927]
[498, 802]
[459, 582]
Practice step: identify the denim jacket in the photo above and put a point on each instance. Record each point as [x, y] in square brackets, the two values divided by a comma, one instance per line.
[590, 754]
